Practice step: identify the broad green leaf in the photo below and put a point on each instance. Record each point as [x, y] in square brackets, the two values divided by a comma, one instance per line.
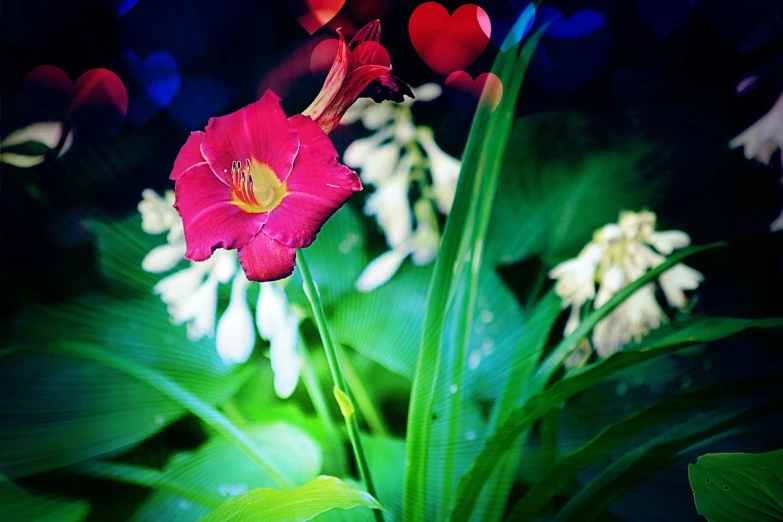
[222, 471]
[18, 504]
[385, 325]
[618, 433]
[648, 457]
[336, 258]
[572, 171]
[59, 408]
[293, 505]
[666, 340]
[738, 487]
[386, 458]
[120, 248]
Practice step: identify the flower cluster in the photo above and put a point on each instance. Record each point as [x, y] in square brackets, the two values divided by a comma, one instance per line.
[191, 296]
[618, 255]
[761, 140]
[397, 156]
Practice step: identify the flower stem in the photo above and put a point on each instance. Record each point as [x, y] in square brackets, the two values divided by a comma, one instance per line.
[318, 397]
[363, 400]
[342, 393]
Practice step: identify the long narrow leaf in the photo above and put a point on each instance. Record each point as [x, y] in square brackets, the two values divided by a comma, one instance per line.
[658, 453]
[478, 161]
[616, 434]
[668, 340]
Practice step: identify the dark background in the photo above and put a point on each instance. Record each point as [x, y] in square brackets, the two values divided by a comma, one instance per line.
[680, 89]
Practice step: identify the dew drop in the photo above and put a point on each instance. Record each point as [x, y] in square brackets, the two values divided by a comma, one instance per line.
[486, 316]
[453, 389]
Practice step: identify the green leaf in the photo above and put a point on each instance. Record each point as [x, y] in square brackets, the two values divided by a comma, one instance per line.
[385, 325]
[618, 433]
[666, 340]
[738, 487]
[17, 504]
[659, 452]
[60, 408]
[121, 246]
[219, 469]
[336, 258]
[292, 505]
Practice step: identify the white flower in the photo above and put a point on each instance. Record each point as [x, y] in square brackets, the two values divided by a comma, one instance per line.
[636, 316]
[236, 335]
[422, 245]
[381, 269]
[576, 277]
[158, 214]
[444, 168]
[389, 204]
[764, 137]
[678, 278]
[280, 327]
[425, 240]
[618, 255]
[197, 309]
[164, 257]
[777, 224]
[46, 133]
[193, 300]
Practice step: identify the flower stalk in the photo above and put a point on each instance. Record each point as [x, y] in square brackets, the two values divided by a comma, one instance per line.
[342, 393]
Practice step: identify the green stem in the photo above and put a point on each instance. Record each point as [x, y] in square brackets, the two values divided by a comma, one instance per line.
[366, 406]
[208, 414]
[341, 389]
[319, 403]
[147, 478]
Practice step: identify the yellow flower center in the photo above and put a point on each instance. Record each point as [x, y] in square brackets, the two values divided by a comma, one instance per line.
[256, 187]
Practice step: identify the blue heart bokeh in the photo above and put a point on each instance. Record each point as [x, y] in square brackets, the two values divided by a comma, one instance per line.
[664, 17]
[572, 50]
[511, 21]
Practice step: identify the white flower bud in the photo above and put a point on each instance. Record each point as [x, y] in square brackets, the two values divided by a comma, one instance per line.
[236, 336]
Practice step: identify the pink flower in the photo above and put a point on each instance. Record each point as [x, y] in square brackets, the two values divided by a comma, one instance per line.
[261, 183]
[360, 70]
[265, 184]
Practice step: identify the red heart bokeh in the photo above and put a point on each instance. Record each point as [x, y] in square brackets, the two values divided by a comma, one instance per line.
[314, 14]
[449, 43]
[487, 87]
[96, 104]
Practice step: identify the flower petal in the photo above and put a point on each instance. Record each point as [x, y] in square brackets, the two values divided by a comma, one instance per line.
[369, 33]
[312, 135]
[163, 258]
[259, 131]
[387, 87]
[266, 259]
[189, 155]
[334, 80]
[210, 220]
[355, 82]
[317, 187]
[381, 269]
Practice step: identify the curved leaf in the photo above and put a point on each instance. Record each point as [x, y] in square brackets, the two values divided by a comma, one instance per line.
[292, 505]
[17, 504]
[667, 339]
[738, 487]
[220, 470]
